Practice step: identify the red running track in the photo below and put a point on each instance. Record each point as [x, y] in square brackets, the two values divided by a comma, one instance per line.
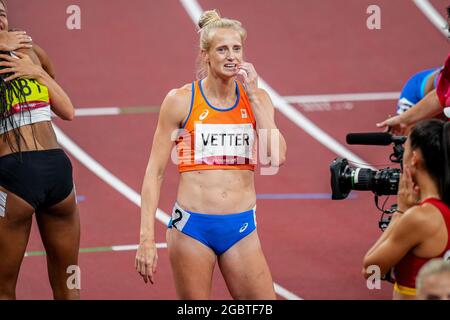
[129, 55]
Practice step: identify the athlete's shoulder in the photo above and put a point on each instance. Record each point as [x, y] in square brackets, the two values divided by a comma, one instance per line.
[181, 94]
[177, 103]
[264, 97]
[262, 93]
[424, 219]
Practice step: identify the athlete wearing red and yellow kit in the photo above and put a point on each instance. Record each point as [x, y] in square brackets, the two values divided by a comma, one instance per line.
[406, 270]
[28, 102]
[216, 138]
[35, 109]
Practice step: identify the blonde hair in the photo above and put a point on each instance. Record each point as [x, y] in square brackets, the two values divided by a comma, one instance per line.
[210, 21]
[434, 266]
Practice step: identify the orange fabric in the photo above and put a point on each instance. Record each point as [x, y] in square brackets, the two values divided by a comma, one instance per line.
[215, 138]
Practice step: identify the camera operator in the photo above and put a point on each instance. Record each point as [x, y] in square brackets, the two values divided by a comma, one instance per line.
[419, 230]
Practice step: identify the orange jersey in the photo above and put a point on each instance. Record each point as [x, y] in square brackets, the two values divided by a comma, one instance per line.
[213, 138]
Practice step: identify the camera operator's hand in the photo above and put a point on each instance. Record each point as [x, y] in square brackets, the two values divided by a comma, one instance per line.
[408, 191]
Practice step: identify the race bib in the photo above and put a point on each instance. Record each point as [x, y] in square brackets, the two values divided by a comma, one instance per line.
[232, 141]
[36, 95]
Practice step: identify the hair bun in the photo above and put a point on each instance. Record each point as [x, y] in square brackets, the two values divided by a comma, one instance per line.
[208, 17]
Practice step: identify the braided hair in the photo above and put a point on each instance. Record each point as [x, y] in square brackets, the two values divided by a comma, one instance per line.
[10, 92]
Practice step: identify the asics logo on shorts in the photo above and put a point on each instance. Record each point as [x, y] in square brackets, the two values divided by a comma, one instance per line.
[244, 227]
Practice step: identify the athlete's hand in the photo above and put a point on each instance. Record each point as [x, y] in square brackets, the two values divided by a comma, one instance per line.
[408, 191]
[13, 40]
[394, 125]
[20, 67]
[146, 261]
[247, 72]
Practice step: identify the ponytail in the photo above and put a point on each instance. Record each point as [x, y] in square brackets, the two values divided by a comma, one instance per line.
[432, 138]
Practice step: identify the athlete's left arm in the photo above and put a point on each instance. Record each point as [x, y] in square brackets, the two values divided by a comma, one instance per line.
[23, 67]
[264, 112]
[411, 229]
[45, 60]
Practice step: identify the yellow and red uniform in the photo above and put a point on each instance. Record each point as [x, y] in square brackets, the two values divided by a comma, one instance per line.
[406, 270]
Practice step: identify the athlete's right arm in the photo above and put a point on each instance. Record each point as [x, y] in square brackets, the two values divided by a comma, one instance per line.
[426, 108]
[45, 60]
[19, 40]
[173, 110]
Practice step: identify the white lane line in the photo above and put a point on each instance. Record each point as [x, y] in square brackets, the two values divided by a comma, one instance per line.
[108, 111]
[133, 247]
[433, 15]
[194, 11]
[285, 293]
[103, 173]
[311, 128]
[343, 97]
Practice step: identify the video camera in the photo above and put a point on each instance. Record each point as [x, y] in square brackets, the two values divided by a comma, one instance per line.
[345, 177]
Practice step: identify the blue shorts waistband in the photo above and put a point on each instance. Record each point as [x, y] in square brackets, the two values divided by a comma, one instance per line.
[218, 216]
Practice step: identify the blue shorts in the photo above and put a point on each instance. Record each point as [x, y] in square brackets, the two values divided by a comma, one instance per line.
[414, 89]
[218, 232]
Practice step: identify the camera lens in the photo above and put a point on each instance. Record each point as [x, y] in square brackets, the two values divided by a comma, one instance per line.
[345, 178]
[361, 178]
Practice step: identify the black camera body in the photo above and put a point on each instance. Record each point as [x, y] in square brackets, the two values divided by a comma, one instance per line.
[345, 178]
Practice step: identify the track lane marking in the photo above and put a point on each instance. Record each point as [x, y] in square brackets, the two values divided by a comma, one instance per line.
[343, 97]
[129, 247]
[433, 15]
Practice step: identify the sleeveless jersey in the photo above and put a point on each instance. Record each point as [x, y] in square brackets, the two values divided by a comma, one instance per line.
[406, 270]
[214, 138]
[37, 105]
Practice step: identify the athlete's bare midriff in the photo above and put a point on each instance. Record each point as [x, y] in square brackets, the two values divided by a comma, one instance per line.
[34, 137]
[217, 191]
